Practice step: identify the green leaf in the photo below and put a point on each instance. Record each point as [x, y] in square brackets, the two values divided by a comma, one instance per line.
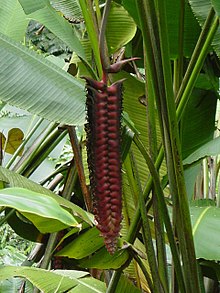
[44, 13]
[54, 281]
[30, 82]
[84, 245]
[201, 9]
[137, 112]
[14, 140]
[43, 211]
[103, 260]
[126, 286]
[216, 5]
[200, 110]
[120, 28]
[24, 229]
[210, 148]
[16, 180]
[32, 6]
[172, 15]
[70, 8]
[190, 175]
[13, 21]
[206, 231]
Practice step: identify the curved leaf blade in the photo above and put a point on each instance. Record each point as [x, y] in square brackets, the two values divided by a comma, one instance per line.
[120, 28]
[54, 281]
[15, 138]
[210, 148]
[103, 260]
[206, 231]
[43, 211]
[84, 245]
[13, 21]
[216, 5]
[17, 180]
[44, 13]
[201, 9]
[30, 82]
[70, 8]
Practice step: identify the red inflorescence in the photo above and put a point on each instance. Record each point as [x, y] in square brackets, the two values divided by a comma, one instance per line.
[104, 105]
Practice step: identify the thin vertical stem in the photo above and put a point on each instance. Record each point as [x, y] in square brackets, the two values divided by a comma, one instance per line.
[79, 166]
[146, 231]
[178, 73]
[92, 30]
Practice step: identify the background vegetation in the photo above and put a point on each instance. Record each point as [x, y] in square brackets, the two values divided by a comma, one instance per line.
[170, 146]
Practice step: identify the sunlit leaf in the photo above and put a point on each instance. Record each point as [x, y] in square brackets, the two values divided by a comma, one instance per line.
[84, 245]
[54, 281]
[30, 82]
[44, 13]
[2, 140]
[201, 10]
[16, 180]
[43, 211]
[120, 27]
[70, 8]
[14, 140]
[13, 21]
[103, 260]
[206, 231]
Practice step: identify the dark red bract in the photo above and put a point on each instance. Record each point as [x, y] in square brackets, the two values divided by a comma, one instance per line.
[104, 106]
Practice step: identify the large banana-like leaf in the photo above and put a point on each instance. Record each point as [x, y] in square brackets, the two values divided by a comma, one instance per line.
[55, 281]
[216, 5]
[173, 18]
[120, 28]
[84, 245]
[200, 110]
[16, 180]
[211, 148]
[70, 8]
[30, 82]
[43, 211]
[13, 21]
[44, 13]
[206, 231]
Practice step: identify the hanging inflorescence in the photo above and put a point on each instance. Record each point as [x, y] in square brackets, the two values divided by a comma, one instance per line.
[104, 106]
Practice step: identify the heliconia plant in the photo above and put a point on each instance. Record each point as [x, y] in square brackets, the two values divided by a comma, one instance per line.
[104, 109]
[104, 106]
[139, 230]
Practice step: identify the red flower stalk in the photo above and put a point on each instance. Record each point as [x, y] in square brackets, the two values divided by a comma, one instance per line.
[104, 106]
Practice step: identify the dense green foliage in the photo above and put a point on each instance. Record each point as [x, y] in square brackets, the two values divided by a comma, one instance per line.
[170, 145]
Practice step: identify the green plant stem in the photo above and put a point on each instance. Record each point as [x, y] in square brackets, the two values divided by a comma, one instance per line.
[98, 12]
[163, 208]
[79, 166]
[50, 246]
[135, 225]
[196, 61]
[159, 230]
[102, 42]
[174, 162]
[178, 63]
[114, 281]
[143, 268]
[93, 31]
[30, 153]
[146, 232]
[4, 220]
[41, 152]
[26, 140]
